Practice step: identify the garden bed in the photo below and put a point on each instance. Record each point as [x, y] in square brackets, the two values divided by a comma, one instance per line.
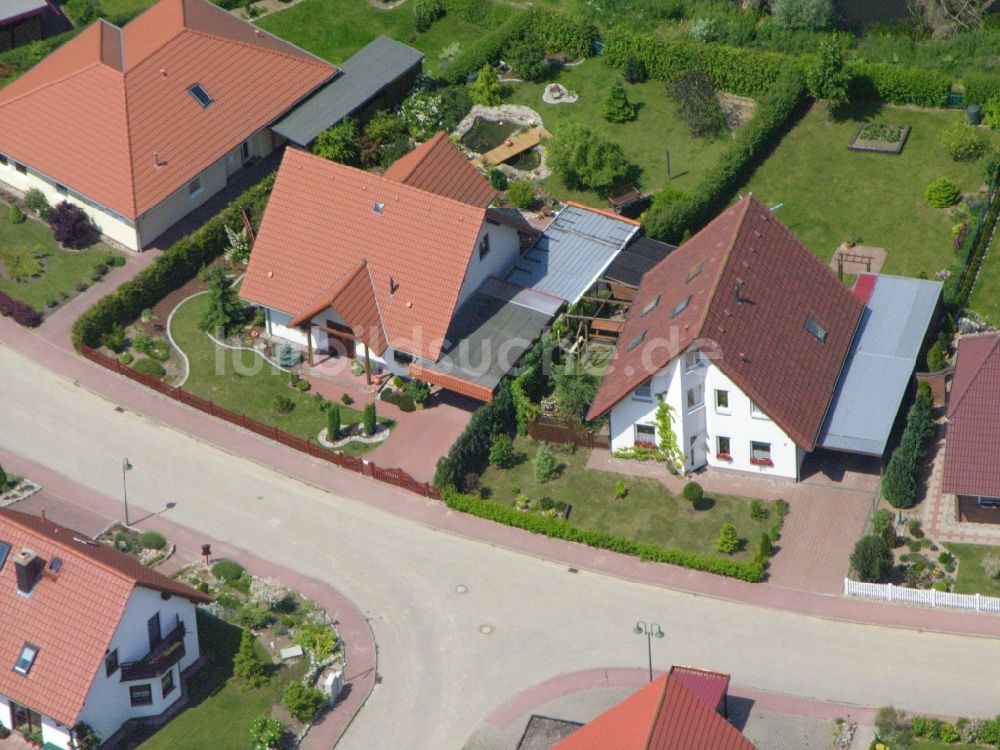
[148, 547]
[880, 137]
[16, 489]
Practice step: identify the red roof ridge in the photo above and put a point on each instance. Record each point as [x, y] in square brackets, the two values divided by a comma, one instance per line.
[315, 61]
[723, 262]
[954, 406]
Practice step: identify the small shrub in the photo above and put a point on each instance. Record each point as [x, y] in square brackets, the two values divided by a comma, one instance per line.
[150, 367]
[36, 202]
[943, 193]
[487, 89]
[936, 359]
[946, 730]
[915, 528]
[71, 226]
[419, 391]
[282, 404]
[587, 159]
[758, 511]
[871, 559]
[498, 178]
[991, 565]
[502, 451]
[802, 14]
[945, 558]
[333, 422]
[526, 58]
[81, 12]
[267, 592]
[266, 734]
[368, 418]
[617, 108]
[425, 13]
[693, 492]
[248, 666]
[991, 114]
[3, 480]
[521, 194]
[340, 142]
[346, 398]
[728, 541]
[620, 490]
[964, 142]
[23, 263]
[302, 702]
[634, 70]
[150, 539]
[765, 549]
[882, 525]
[126, 358]
[228, 571]
[544, 466]
[16, 215]
[86, 737]
[253, 617]
[114, 339]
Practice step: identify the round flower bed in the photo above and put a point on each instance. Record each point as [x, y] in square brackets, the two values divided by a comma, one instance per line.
[354, 434]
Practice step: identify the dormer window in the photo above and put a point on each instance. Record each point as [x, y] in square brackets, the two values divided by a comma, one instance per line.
[818, 332]
[26, 660]
[200, 95]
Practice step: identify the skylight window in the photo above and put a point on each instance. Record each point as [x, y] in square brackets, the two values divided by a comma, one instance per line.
[200, 95]
[635, 342]
[816, 329]
[695, 271]
[379, 207]
[4, 550]
[649, 306]
[681, 306]
[26, 659]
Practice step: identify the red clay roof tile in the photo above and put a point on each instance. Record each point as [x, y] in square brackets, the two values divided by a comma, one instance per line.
[749, 302]
[70, 619]
[321, 222]
[438, 167]
[123, 94]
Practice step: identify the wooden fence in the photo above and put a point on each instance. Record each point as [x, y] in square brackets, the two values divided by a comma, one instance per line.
[396, 477]
[926, 597]
[566, 431]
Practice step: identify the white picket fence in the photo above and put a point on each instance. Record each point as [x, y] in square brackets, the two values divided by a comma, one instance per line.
[923, 597]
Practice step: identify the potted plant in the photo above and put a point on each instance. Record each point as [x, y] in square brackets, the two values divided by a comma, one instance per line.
[555, 91]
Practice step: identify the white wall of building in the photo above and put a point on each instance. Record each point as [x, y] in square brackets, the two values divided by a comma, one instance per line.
[55, 733]
[706, 422]
[108, 704]
[277, 325]
[505, 249]
[5, 718]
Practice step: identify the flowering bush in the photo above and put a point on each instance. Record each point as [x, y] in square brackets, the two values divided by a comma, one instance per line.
[267, 592]
[421, 112]
[22, 313]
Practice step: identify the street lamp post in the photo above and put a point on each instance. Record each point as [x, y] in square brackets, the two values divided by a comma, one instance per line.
[126, 466]
[650, 630]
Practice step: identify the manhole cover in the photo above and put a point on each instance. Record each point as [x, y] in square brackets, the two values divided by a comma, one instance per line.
[486, 629]
[461, 589]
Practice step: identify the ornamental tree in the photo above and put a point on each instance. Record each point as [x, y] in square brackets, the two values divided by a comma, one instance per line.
[828, 77]
[487, 89]
[587, 159]
[872, 559]
[617, 107]
[728, 541]
[225, 311]
[248, 666]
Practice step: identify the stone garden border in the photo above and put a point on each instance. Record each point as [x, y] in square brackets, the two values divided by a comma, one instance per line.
[516, 113]
[24, 489]
[382, 433]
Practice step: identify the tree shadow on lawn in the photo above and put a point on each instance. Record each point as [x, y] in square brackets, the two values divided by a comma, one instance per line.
[854, 111]
[706, 503]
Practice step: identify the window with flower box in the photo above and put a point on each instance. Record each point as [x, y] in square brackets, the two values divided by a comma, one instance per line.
[760, 454]
[645, 436]
[722, 448]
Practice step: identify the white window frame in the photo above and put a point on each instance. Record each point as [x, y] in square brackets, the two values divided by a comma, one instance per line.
[198, 190]
[246, 152]
[756, 412]
[643, 393]
[761, 460]
[721, 454]
[699, 391]
[27, 657]
[636, 438]
[692, 359]
[719, 408]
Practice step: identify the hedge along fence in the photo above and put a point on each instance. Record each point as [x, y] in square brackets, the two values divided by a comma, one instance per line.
[171, 270]
[982, 236]
[896, 85]
[561, 33]
[981, 87]
[559, 529]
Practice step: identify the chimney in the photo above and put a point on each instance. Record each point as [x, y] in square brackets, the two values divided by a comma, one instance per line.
[28, 567]
[41, 514]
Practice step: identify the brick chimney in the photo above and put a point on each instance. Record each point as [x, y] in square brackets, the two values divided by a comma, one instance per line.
[28, 567]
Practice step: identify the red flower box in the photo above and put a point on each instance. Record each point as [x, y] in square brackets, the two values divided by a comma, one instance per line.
[647, 445]
[761, 462]
[723, 457]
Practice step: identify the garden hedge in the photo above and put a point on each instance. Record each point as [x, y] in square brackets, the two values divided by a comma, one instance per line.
[776, 111]
[896, 85]
[470, 453]
[21, 312]
[981, 87]
[559, 529]
[174, 268]
[978, 253]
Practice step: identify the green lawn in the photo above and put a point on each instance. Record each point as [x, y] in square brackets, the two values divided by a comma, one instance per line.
[971, 578]
[831, 194]
[648, 513]
[62, 270]
[118, 7]
[937, 745]
[645, 139]
[336, 29]
[215, 375]
[222, 710]
[985, 298]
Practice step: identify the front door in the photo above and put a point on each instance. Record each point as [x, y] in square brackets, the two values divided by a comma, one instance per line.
[697, 453]
[25, 719]
[341, 339]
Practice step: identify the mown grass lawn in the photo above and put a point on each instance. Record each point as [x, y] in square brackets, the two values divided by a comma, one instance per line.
[336, 29]
[62, 269]
[831, 194]
[648, 513]
[985, 298]
[971, 578]
[114, 8]
[222, 710]
[645, 140]
[245, 382]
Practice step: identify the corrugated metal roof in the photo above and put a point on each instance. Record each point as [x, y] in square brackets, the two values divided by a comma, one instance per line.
[490, 332]
[879, 365]
[363, 76]
[13, 9]
[573, 253]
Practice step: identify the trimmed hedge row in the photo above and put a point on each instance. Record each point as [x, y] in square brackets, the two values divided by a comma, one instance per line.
[559, 529]
[171, 270]
[981, 87]
[488, 49]
[896, 85]
[470, 453]
[776, 111]
[21, 312]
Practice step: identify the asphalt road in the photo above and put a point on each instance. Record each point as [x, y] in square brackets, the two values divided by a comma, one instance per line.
[441, 673]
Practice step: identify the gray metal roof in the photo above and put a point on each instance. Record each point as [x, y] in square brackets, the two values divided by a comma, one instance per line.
[879, 365]
[490, 332]
[572, 253]
[11, 9]
[633, 262]
[361, 77]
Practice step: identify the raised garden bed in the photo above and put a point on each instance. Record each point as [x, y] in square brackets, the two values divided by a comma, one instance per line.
[880, 137]
[148, 547]
[17, 489]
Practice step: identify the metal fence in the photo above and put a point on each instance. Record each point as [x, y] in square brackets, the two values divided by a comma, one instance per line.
[396, 477]
[566, 431]
[923, 597]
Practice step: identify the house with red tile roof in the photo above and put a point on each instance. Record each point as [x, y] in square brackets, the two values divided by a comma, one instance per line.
[140, 125]
[677, 710]
[413, 271]
[973, 433]
[741, 331]
[88, 633]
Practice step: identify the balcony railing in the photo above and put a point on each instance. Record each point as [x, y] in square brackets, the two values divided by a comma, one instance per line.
[160, 658]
